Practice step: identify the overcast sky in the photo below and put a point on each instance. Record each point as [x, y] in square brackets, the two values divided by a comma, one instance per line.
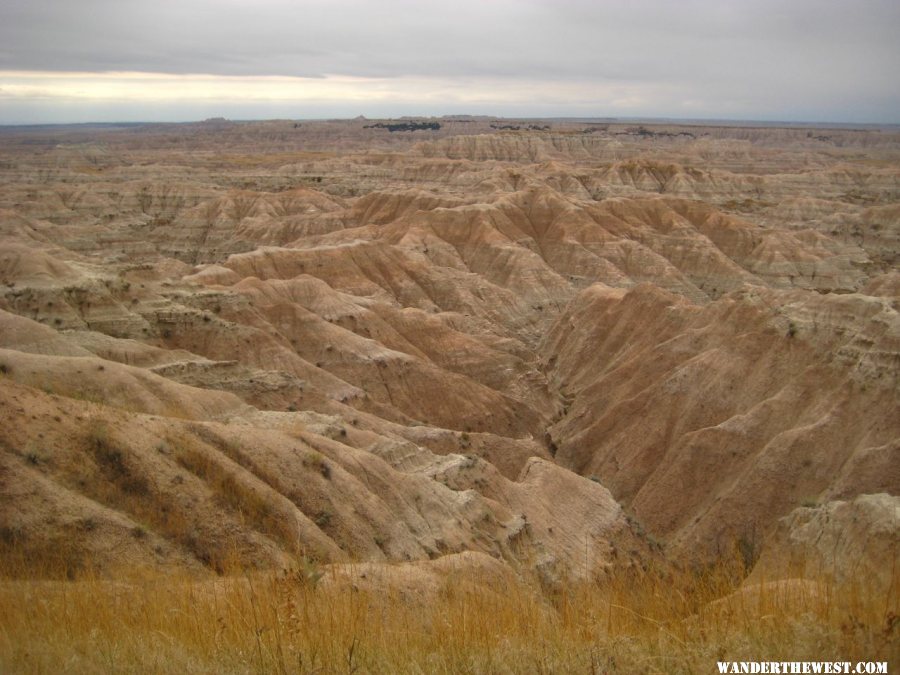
[170, 60]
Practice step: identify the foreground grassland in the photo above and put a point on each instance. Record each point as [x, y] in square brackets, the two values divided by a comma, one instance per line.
[646, 622]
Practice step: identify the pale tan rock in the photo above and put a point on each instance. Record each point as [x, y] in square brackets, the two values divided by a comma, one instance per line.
[840, 542]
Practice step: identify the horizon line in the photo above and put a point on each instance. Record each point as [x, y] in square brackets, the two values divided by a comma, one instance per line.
[603, 119]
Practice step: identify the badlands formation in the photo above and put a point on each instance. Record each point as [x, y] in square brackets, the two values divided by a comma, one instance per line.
[573, 345]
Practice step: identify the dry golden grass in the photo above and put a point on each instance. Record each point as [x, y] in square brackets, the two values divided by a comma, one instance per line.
[653, 622]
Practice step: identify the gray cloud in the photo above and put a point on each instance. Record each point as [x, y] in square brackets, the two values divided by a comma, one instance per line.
[828, 58]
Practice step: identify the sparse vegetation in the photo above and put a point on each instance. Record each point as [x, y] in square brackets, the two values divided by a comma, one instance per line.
[405, 126]
[236, 494]
[749, 547]
[316, 461]
[112, 463]
[310, 572]
[323, 518]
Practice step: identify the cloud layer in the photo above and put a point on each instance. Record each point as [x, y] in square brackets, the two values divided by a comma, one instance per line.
[804, 59]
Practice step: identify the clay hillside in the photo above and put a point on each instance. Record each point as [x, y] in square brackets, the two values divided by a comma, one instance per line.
[573, 345]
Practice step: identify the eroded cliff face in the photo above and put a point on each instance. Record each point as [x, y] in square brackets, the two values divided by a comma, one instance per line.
[850, 542]
[578, 347]
[711, 421]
